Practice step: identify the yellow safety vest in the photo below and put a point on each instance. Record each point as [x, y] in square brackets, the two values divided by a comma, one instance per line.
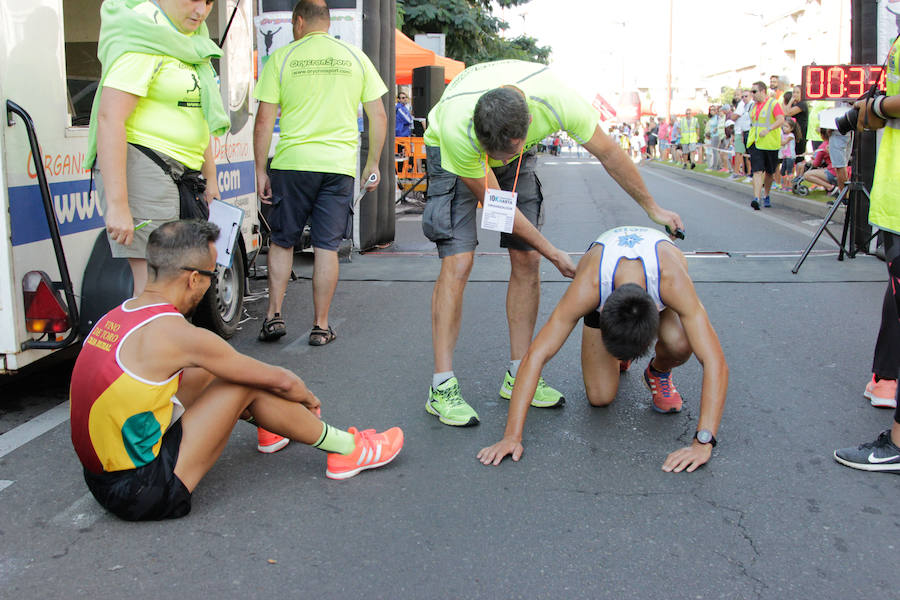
[689, 131]
[812, 126]
[772, 140]
[884, 210]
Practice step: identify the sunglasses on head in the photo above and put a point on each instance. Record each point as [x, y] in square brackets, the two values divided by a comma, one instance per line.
[211, 274]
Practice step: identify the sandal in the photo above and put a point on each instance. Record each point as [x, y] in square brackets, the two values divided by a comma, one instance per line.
[320, 337]
[272, 329]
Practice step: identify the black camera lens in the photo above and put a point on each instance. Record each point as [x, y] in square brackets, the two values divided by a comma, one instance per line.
[847, 121]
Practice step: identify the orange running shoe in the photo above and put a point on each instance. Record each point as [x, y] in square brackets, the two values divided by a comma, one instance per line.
[666, 398]
[372, 450]
[882, 393]
[623, 365]
[268, 442]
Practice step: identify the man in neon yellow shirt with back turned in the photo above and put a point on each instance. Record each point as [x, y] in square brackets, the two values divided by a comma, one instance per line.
[318, 82]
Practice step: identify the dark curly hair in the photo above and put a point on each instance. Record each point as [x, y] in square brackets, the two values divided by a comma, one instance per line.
[629, 322]
[501, 115]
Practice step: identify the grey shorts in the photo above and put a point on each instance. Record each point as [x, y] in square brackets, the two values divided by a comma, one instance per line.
[688, 148]
[839, 149]
[449, 220]
[151, 195]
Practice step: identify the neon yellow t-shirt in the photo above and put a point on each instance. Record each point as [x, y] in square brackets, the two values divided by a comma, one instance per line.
[168, 117]
[812, 124]
[319, 82]
[884, 211]
[552, 104]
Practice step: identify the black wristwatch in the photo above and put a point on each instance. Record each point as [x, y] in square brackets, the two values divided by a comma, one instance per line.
[705, 436]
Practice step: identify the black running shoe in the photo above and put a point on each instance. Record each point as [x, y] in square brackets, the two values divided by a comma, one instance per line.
[880, 455]
[755, 204]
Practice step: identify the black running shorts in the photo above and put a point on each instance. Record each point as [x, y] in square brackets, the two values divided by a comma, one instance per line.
[763, 160]
[149, 493]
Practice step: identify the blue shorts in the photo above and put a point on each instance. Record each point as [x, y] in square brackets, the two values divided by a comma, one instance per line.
[323, 198]
[787, 165]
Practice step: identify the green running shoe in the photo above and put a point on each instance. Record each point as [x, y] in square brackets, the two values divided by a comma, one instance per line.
[544, 396]
[447, 404]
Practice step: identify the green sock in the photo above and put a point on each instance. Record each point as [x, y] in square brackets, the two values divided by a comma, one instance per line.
[335, 440]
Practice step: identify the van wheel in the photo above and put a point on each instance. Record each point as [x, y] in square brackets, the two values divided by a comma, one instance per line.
[221, 308]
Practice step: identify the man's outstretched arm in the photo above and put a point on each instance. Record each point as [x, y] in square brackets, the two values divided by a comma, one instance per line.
[523, 228]
[188, 345]
[620, 167]
[706, 347]
[580, 298]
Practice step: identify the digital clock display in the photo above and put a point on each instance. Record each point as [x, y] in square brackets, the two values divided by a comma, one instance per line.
[840, 82]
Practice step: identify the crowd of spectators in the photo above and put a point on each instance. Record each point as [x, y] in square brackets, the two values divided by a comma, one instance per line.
[720, 140]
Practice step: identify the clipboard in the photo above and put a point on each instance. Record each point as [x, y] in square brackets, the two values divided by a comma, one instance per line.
[228, 217]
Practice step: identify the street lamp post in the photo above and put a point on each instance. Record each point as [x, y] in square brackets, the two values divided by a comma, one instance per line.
[762, 27]
[669, 72]
[622, 47]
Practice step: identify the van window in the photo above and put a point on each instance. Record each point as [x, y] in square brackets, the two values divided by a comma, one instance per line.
[81, 25]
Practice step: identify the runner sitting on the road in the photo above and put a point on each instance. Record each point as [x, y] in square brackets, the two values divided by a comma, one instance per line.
[631, 286]
[154, 399]
[481, 135]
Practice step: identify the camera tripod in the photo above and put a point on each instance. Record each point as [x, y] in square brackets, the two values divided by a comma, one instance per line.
[848, 236]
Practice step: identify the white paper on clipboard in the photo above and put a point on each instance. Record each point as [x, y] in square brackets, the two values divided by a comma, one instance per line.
[228, 218]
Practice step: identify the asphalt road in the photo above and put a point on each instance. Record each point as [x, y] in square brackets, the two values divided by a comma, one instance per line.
[587, 512]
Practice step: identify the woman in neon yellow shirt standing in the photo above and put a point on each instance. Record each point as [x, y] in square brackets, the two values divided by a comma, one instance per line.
[158, 102]
[158, 95]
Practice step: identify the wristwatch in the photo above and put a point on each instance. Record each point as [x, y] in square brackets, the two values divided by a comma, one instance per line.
[705, 436]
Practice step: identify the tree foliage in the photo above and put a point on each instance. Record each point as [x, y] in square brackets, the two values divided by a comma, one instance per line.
[725, 97]
[472, 31]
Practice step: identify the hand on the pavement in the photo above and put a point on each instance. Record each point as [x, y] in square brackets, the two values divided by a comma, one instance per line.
[688, 459]
[492, 455]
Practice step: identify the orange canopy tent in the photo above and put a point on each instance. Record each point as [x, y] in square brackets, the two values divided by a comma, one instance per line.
[411, 55]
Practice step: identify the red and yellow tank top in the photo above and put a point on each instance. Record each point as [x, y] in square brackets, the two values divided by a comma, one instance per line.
[118, 418]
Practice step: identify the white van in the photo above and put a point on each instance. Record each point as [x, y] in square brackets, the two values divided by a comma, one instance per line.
[56, 274]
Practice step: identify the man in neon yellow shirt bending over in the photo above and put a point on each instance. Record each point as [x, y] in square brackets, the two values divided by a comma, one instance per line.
[482, 134]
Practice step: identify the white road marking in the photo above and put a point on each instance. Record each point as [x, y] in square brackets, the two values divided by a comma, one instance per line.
[82, 513]
[787, 255]
[761, 214]
[5, 483]
[41, 424]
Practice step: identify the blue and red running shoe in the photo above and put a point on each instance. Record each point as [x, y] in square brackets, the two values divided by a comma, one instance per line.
[666, 398]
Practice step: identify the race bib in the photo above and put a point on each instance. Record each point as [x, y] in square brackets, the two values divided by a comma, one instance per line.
[499, 210]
